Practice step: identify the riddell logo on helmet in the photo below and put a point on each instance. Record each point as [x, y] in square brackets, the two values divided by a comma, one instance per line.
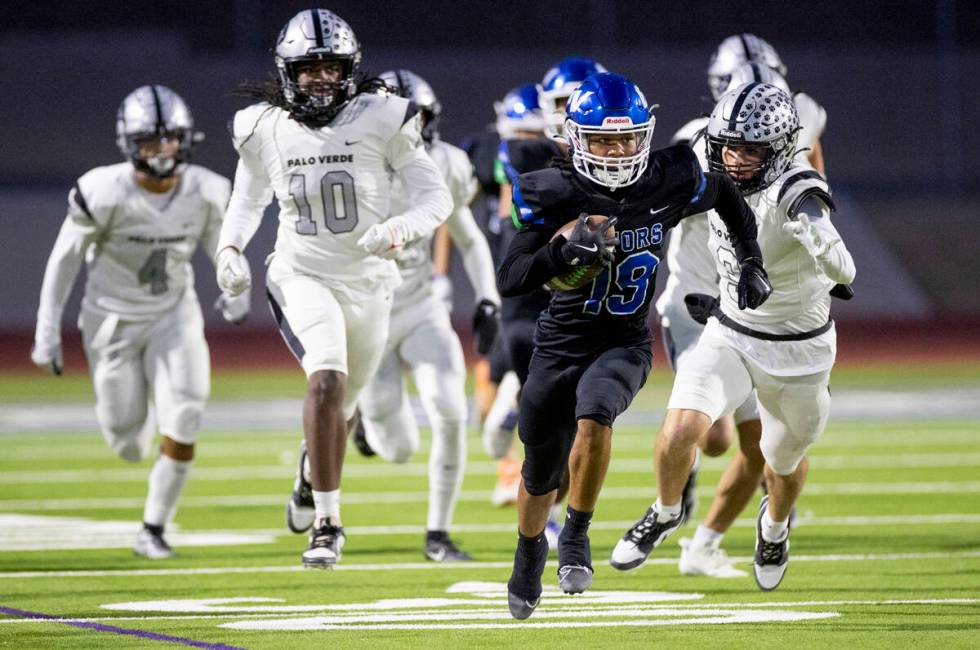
[616, 120]
[725, 133]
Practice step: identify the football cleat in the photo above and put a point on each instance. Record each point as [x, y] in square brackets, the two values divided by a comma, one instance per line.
[645, 535]
[708, 561]
[326, 542]
[771, 558]
[439, 548]
[299, 508]
[689, 498]
[359, 436]
[524, 586]
[151, 544]
[574, 561]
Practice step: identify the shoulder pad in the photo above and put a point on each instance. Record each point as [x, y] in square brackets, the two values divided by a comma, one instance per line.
[531, 155]
[690, 131]
[799, 183]
[537, 193]
[679, 170]
[247, 121]
[214, 187]
[97, 190]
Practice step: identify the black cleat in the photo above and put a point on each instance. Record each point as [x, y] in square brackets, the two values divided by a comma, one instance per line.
[645, 535]
[524, 586]
[771, 558]
[439, 548]
[574, 561]
[326, 542]
[359, 436]
[299, 508]
[689, 498]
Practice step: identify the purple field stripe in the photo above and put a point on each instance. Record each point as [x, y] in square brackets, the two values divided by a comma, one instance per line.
[118, 630]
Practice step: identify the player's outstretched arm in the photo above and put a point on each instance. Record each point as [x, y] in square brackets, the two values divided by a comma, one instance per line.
[814, 231]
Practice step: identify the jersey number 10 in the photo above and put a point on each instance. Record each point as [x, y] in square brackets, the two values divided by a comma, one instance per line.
[338, 198]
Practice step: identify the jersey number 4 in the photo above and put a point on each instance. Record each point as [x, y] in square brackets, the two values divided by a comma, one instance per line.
[338, 198]
[633, 280]
[154, 271]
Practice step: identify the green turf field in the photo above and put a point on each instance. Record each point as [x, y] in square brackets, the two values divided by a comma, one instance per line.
[887, 553]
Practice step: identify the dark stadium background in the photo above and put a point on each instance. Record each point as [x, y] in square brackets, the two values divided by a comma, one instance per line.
[899, 80]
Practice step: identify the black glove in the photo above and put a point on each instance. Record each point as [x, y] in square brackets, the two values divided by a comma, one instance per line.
[486, 322]
[586, 246]
[753, 284]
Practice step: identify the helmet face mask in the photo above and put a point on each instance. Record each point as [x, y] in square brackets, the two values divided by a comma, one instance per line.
[155, 131]
[310, 37]
[609, 129]
[557, 86]
[752, 134]
[409, 85]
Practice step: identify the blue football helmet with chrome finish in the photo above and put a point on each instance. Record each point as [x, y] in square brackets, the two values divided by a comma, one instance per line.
[558, 83]
[519, 111]
[611, 107]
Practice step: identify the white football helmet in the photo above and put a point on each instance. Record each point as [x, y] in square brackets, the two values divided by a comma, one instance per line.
[317, 35]
[752, 71]
[409, 85]
[755, 114]
[733, 52]
[155, 112]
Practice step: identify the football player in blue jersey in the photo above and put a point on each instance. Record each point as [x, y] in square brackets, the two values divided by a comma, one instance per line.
[592, 345]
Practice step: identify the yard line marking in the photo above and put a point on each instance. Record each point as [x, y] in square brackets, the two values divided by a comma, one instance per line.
[447, 566]
[100, 627]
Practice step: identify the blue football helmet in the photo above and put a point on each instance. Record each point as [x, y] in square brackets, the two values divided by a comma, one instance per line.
[519, 111]
[605, 105]
[558, 84]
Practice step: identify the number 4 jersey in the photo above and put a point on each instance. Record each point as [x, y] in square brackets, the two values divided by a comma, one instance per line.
[137, 245]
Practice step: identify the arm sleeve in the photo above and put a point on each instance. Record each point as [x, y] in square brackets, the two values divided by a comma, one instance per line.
[835, 260]
[530, 261]
[77, 232]
[718, 191]
[430, 198]
[476, 253]
[251, 193]
[216, 210]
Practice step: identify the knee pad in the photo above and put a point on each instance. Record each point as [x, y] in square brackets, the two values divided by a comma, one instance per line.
[131, 443]
[391, 437]
[185, 421]
[541, 470]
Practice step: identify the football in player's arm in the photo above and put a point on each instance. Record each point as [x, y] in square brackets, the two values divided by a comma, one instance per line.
[325, 144]
[592, 344]
[137, 225]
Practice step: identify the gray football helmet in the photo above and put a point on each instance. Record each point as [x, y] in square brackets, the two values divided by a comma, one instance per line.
[409, 85]
[733, 52]
[155, 112]
[752, 71]
[758, 115]
[317, 35]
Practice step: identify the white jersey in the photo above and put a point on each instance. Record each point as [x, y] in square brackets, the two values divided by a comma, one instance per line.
[137, 245]
[691, 264]
[333, 183]
[415, 261]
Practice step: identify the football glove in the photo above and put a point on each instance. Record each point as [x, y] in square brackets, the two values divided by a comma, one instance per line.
[232, 271]
[586, 246]
[803, 231]
[383, 239]
[486, 323]
[48, 356]
[234, 309]
[442, 289]
[753, 284]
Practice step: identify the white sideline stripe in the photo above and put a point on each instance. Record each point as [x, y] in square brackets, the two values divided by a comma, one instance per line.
[392, 496]
[449, 566]
[473, 468]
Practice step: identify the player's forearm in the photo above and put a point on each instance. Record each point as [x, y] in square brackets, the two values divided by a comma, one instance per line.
[834, 260]
[530, 262]
[477, 259]
[241, 221]
[722, 194]
[430, 198]
[59, 278]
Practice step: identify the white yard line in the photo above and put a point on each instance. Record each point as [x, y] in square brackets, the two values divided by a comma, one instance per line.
[450, 566]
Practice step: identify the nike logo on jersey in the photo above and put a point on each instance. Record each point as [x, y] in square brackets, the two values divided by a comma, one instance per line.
[351, 142]
[666, 207]
[321, 159]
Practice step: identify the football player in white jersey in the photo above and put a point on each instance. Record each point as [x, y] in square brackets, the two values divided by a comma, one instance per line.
[326, 146]
[137, 224]
[421, 338]
[783, 350]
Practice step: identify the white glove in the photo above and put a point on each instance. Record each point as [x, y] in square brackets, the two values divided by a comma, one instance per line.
[234, 309]
[232, 271]
[803, 231]
[383, 239]
[48, 356]
[442, 289]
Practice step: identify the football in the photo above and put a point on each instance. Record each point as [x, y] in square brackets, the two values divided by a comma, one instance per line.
[580, 275]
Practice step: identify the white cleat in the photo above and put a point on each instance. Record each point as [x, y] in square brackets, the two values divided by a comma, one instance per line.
[708, 561]
[326, 543]
[151, 544]
[771, 558]
[645, 535]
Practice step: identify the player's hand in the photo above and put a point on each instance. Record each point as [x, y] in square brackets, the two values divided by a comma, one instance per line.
[586, 245]
[753, 284]
[383, 239]
[233, 274]
[442, 289]
[803, 231]
[486, 324]
[234, 309]
[48, 356]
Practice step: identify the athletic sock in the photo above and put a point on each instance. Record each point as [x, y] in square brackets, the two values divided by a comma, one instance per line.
[668, 511]
[529, 546]
[447, 462]
[577, 522]
[705, 537]
[326, 505]
[166, 482]
[773, 531]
